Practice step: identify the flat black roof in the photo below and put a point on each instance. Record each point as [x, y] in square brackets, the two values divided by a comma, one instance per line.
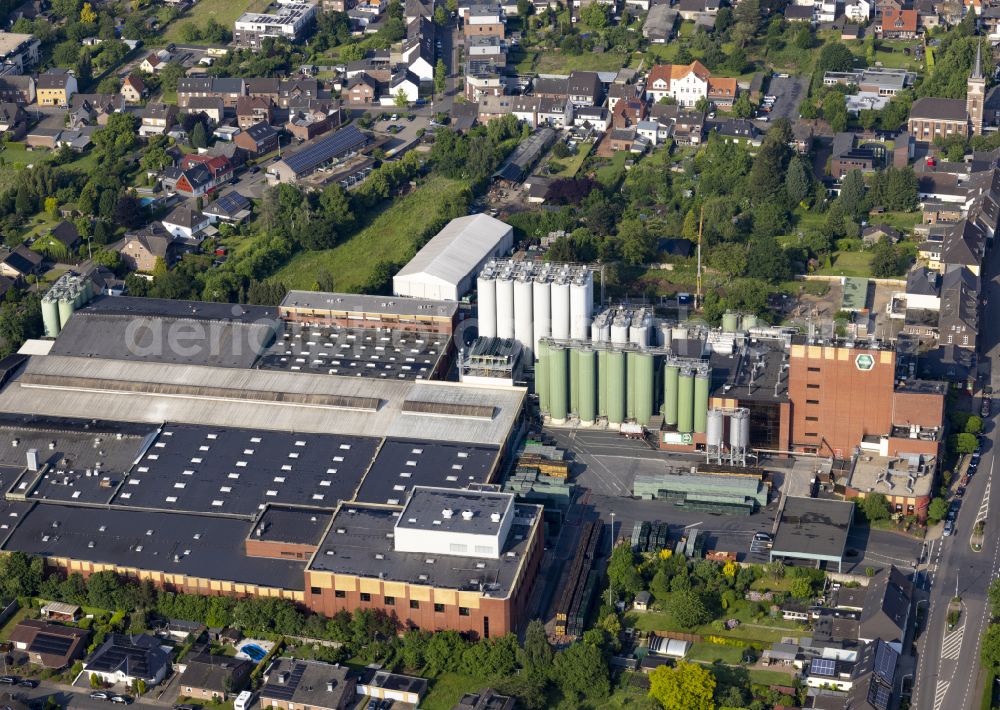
[167, 308]
[361, 542]
[813, 526]
[355, 352]
[205, 546]
[425, 511]
[238, 471]
[402, 464]
[299, 526]
[751, 374]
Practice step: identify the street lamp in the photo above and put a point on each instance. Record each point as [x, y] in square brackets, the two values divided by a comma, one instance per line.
[612, 551]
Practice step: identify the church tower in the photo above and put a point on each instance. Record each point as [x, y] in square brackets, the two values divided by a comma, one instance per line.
[976, 94]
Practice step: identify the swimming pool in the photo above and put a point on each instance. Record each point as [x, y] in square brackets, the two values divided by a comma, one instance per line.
[255, 652]
[146, 201]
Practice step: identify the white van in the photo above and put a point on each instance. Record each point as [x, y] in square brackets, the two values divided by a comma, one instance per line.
[243, 701]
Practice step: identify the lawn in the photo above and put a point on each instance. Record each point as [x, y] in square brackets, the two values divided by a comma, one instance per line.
[388, 237]
[571, 165]
[558, 62]
[766, 631]
[16, 618]
[903, 221]
[446, 689]
[225, 13]
[524, 61]
[711, 652]
[849, 263]
[770, 677]
[612, 172]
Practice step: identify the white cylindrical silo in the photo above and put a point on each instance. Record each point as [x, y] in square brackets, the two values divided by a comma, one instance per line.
[739, 428]
[541, 306]
[486, 288]
[638, 331]
[560, 311]
[579, 308]
[505, 306]
[666, 335]
[745, 428]
[680, 332]
[523, 314]
[620, 326]
[713, 432]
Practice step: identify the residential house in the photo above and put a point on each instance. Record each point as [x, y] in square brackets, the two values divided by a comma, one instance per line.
[483, 79]
[618, 139]
[17, 89]
[18, 52]
[722, 92]
[596, 117]
[251, 110]
[418, 48]
[896, 23]
[685, 84]
[13, 121]
[49, 645]
[859, 11]
[63, 239]
[198, 175]
[618, 91]
[734, 129]
[93, 109]
[698, 10]
[847, 155]
[287, 20]
[315, 119]
[404, 83]
[659, 25]
[60, 611]
[55, 87]
[487, 699]
[295, 90]
[140, 249]
[958, 323]
[157, 119]
[874, 233]
[687, 126]
[291, 683]
[414, 9]
[211, 106]
[964, 245]
[20, 262]
[231, 207]
[484, 21]
[555, 112]
[133, 89]
[584, 88]
[229, 89]
[628, 113]
[185, 222]
[362, 90]
[887, 609]
[653, 131]
[154, 62]
[267, 88]
[258, 139]
[128, 658]
[525, 109]
[208, 677]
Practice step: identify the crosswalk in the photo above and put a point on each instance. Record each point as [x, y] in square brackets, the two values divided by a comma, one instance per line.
[951, 647]
[984, 507]
[942, 690]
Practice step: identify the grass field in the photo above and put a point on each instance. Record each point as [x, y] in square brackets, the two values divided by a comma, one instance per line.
[16, 618]
[225, 13]
[446, 689]
[572, 164]
[766, 631]
[388, 237]
[770, 677]
[711, 652]
[558, 62]
[849, 263]
[614, 170]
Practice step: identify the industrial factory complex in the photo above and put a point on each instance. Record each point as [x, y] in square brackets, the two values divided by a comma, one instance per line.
[348, 451]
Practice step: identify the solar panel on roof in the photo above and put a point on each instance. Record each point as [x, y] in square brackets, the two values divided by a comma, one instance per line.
[50, 643]
[824, 667]
[343, 141]
[879, 695]
[885, 662]
[232, 202]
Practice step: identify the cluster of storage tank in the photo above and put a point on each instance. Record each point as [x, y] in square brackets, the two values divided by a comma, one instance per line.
[733, 322]
[739, 430]
[69, 292]
[617, 383]
[528, 301]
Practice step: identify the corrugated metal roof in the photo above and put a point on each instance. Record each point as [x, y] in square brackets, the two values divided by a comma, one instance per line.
[301, 402]
[457, 249]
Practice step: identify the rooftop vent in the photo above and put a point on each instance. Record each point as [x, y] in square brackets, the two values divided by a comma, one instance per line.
[495, 517]
[447, 513]
[466, 515]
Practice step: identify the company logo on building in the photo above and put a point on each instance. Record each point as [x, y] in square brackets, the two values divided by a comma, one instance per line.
[864, 362]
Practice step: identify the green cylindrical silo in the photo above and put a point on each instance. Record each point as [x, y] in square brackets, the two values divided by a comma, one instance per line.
[542, 376]
[730, 322]
[65, 310]
[670, 395]
[749, 321]
[630, 381]
[50, 317]
[574, 381]
[558, 384]
[588, 386]
[616, 387]
[643, 388]
[701, 383]
[602, 383]
[685, 402]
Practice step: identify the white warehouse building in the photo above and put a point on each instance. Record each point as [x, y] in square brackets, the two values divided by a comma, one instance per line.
[527, 301]
[446, 268]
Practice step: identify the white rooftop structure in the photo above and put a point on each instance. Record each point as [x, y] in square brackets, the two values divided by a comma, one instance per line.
[454, 522]
[157, 392]
[445, 268]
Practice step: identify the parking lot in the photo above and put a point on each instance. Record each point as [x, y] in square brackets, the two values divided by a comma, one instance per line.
[401, 130]
[788, 92]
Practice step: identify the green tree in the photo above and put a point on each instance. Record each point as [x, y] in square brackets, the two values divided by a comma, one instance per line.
[835, 111]
[581, 671]
[964, 443]
[536, 657]
[973, 425]
[638, 244]
[524, 9]
[595, 15]
[852, 194]
[994, 597]
[687, 686]
[801, 588]
[440, 75]
[623, 576]
[885, 259]
[743, 107]
[875, 506]
[199, 137]
[834, 56]
[798, 181]
[440, 16]
[687, 609]
[767, 261]
[937, 510]
[804, 37]
[400, 99]
[729, 258]
[989, 652]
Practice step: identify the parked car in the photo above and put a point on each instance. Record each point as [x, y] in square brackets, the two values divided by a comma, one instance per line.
[960, 492]
[28, 683]
[99, 695]
[949, 528]
[8, 679]
[122, 699]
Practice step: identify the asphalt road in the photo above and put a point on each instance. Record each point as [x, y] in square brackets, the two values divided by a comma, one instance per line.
[945, 676]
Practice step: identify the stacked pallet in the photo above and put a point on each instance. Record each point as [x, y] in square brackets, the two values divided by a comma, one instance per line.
[574, 602]
[650, 537]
